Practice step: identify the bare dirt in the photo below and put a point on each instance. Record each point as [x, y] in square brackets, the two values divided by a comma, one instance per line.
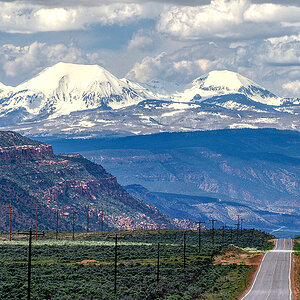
[88, 261]
[296, 275]
[233, 257]
[250, 259]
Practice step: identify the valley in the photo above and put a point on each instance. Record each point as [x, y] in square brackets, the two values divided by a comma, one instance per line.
[199, 175]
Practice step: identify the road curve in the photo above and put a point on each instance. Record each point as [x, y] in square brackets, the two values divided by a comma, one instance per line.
[272, 280]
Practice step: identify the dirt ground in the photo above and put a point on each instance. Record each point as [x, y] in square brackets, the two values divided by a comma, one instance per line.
[296, 275]
[250, 259]
[233, 257]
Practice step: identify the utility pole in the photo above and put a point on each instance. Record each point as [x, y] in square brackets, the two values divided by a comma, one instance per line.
[242, 226]
[199, 235]
[184, 250]
[157, 273]
[73, 227]
[213, 231]
[36, 222]
[10, 221]
[29, 259]
[87, 218]
[102, 220]
[237, 229]
[57, 215]
[116, 261]
[223, 234]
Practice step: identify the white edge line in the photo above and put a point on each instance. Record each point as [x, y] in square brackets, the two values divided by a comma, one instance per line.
[290, 284]
[255, 277]
[258, 273]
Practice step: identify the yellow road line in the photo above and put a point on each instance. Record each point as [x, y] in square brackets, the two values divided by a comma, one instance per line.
[270, 290]
[284, 244]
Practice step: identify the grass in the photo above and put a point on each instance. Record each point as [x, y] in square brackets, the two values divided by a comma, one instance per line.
[296, 267]
[57, 271]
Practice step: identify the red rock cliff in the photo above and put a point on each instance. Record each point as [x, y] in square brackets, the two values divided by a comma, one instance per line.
[25, 152]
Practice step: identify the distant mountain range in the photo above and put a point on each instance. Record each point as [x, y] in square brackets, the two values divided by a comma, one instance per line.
[32, 176]
[86, 100]
[204, 174]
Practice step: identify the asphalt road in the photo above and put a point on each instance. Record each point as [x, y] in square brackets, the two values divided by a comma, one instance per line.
[272, 281]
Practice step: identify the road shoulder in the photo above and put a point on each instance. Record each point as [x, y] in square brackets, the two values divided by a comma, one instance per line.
[296, 269]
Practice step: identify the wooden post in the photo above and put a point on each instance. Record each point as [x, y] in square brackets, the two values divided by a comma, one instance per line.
[87, 218]
[36, 223]
[29, 264]
[56, 235]
[199, 235]
[73, 227]
[223, 234]
[29, 259]
[237, 229]
[10, 221]
[102, 220]
[157, 274]
[213, 231]
[184, 250]
[242, 226]
[116, 262]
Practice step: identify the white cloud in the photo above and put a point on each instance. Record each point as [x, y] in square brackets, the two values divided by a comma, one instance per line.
[141, 40]
[27, 18]
[169, 68]
[23, 61]
[229, 19]
[293, 88]
[270, 65]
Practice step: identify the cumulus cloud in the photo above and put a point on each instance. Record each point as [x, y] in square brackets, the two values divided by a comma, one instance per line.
[293, 88]
[269, 64]
[32, 58]
[174, 68]
[17, 17]
[141, 40]
[229, 19]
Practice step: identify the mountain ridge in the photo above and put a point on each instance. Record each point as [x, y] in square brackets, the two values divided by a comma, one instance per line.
[75, 99]
[32, 176]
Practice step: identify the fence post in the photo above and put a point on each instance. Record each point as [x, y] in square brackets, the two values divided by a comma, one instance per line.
[184, 250]
[116, 261]
[157, 278]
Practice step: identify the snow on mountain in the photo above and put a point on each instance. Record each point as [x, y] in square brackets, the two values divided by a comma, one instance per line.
[217, 83]
[65, 88]
[73, 99]
[4, 88]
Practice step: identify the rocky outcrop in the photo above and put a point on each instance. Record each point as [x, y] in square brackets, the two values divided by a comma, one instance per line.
[25, 152]
[31, 177]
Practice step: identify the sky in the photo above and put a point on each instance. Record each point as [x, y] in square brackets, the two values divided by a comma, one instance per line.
[175, 40]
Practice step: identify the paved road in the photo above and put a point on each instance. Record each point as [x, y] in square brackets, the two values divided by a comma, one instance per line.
[272, 281]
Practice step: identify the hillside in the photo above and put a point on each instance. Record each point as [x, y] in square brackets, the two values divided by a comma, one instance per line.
[31, 177]
[258, 169]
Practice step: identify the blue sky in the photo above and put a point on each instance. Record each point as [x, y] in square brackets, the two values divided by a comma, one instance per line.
[169, 40]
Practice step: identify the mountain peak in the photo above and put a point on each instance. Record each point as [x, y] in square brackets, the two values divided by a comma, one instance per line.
[78, 76]
[225, 79]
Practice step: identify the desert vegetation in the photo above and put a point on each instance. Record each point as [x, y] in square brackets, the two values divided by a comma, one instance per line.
[84, 267]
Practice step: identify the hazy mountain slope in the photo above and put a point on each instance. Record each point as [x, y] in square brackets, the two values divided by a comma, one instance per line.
[257, 168]
[32, 176]
[205, 208]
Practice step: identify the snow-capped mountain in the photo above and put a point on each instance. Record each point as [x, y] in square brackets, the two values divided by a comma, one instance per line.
[217, 83]
[65, 88]
[87, 99]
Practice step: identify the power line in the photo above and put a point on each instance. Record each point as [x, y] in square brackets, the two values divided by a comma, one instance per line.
[29, 258]
[199, 235]
[213, 231]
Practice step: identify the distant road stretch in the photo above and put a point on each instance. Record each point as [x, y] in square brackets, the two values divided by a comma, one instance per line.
[272, 281]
